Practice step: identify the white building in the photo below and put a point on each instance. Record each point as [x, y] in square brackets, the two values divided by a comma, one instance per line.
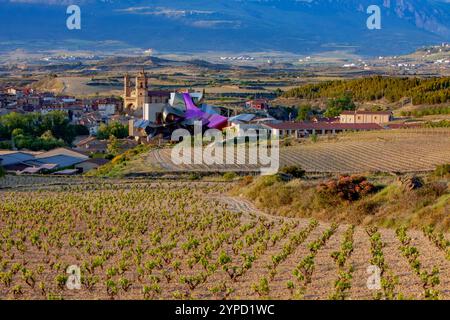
[107, 109]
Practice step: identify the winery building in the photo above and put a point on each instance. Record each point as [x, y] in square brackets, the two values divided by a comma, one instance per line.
[365, 117]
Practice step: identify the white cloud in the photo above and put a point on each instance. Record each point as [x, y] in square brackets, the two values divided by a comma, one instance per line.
[167, 12]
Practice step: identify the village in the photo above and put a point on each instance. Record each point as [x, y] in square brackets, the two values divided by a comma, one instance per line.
[234, 157]
[147, 116]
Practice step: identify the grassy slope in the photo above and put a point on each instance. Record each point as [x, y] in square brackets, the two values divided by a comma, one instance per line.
[49, 84]
[390, 206]
[121, 164]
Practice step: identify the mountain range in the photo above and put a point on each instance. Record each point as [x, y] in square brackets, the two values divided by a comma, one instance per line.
[296, 26]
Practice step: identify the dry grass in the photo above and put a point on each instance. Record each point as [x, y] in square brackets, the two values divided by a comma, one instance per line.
[392, 205]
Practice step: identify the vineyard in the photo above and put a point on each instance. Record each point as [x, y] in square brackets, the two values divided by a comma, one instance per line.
[184, 240]
[380, 151]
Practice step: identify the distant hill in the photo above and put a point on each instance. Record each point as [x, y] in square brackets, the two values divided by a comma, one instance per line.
[299, 26]
[127, 61]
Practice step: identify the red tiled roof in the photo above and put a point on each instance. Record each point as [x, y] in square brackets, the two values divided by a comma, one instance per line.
[323, 126]
[367, 112]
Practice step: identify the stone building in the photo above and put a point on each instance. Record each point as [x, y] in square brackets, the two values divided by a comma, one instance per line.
[378, 117]
[138, 97]
[134, 98]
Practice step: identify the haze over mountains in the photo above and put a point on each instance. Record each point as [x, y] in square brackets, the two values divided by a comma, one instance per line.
[297, 26]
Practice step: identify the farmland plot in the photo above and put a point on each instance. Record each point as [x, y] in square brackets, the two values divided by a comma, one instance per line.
[381, 151]
[183, 240]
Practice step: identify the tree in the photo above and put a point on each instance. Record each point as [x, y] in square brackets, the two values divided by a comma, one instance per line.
[113, 146]
[9, 122]
[17, 132]
[58, 123]
[2, 172]
[34, 125]
[81, 130]
[103, 132]
[47, 135]
[305, 112]
[118, 130]
[393, 89]
[336, 106]
[113, 129]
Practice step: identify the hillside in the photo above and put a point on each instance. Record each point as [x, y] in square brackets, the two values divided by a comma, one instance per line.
[389, 204]
[419, 91]
[51, 84]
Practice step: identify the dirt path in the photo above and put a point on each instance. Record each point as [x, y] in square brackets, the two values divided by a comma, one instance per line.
[326, 271]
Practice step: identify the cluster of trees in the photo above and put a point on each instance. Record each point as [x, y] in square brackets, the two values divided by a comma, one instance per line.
[420, 91]
[337, 105]
[305, 112]
[334, 108]
[46, 141]
[35, 131]
[115, 129]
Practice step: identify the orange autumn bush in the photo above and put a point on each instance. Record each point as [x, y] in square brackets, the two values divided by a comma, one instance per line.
[350, 188]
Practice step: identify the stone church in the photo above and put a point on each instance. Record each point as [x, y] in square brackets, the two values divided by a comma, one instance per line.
[135, 97]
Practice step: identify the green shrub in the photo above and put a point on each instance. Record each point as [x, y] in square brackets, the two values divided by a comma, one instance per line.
[2, 171]
[194, 176]
[229, 176]
[5, 145]
[115, 167]
[442, 170]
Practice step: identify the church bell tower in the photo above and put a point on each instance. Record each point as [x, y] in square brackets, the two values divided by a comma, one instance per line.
[141, 89]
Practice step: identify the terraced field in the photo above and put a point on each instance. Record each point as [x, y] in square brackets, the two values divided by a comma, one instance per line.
[381, 151]
[180, 240]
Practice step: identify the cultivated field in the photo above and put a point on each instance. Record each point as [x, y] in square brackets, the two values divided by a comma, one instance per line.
[178, 240]
[380, 151]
